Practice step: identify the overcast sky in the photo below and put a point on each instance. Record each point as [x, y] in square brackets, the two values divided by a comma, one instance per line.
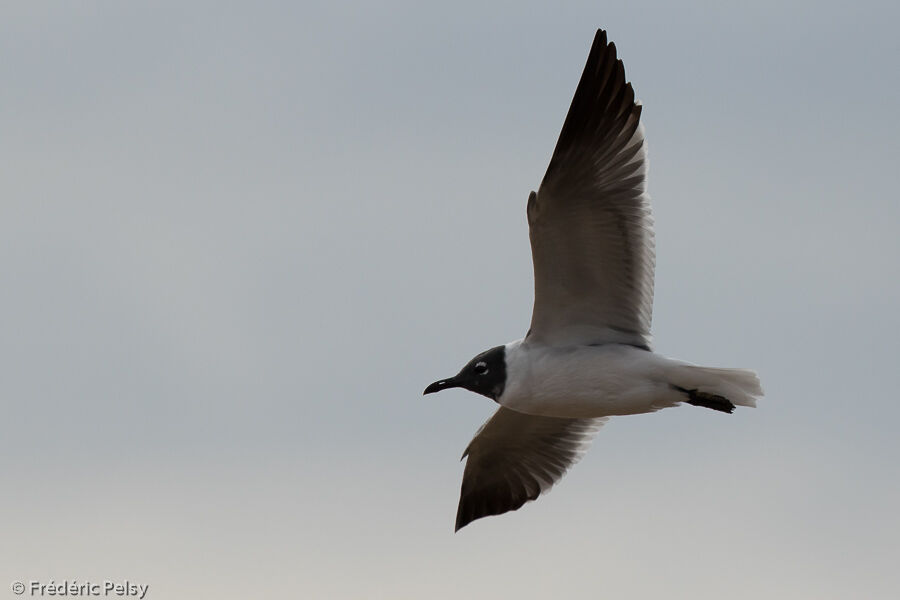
[238, 240]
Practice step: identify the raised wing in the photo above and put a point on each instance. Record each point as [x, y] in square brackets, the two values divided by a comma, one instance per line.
[590, 223]
[515, 457]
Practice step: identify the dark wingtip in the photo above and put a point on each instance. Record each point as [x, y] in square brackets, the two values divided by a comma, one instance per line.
[462, 520]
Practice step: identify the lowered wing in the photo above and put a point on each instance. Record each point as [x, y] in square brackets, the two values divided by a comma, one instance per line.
[516, 457]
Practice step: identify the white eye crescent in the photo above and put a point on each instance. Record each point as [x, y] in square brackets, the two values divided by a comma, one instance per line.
[481, 368]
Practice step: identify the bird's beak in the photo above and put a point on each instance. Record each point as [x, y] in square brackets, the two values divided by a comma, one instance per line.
[443, 384]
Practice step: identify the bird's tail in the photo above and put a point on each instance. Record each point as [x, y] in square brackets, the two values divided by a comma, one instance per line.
[719, 389]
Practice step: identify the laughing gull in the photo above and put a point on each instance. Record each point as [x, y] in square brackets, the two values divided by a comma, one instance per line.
[587, 354]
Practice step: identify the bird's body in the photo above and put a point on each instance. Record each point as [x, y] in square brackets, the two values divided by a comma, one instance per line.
[587, 354]
[585, 381]
[607, 380]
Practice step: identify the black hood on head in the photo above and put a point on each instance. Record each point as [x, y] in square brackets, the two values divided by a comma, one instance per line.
[485, 374]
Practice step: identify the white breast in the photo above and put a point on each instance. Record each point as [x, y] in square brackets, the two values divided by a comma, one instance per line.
[585, 381]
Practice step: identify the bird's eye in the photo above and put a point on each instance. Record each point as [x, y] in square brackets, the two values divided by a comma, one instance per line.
[481, 368]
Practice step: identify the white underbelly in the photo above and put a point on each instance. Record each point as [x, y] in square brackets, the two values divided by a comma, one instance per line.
[585, 381]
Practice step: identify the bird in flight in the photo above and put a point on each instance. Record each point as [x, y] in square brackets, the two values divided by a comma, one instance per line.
[587, 354]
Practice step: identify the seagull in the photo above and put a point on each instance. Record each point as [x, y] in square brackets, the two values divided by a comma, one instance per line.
[587, 354]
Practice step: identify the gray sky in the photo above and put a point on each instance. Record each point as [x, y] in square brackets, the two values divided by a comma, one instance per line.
[236, 242]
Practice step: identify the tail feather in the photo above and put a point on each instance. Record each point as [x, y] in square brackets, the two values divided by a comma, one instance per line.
[716, 388]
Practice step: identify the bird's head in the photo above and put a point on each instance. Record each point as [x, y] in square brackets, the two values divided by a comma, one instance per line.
[485, 374]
